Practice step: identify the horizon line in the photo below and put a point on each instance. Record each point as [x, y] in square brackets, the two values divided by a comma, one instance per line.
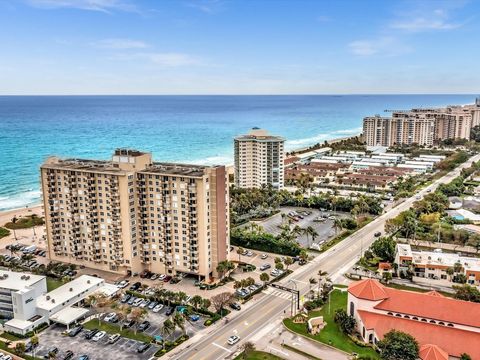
[306, 94]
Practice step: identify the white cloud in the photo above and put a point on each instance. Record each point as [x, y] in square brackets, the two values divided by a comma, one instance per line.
[120, 44]
[386, 46]
[106, 6]
[425, 20]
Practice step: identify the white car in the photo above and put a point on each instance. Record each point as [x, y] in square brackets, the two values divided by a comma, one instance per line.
[232, 340]
[137, 302]
[7, 357]
[109, 317]
[113, 338]
[161, 277]
[144, 303]
[99, 335]
[123, 284]
[264, 256]
[157, 308]
[249, 253]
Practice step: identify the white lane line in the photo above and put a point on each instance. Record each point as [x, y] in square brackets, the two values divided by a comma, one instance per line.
[280, 351]
[221, 347]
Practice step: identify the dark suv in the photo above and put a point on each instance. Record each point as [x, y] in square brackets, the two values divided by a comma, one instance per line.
[144, 325]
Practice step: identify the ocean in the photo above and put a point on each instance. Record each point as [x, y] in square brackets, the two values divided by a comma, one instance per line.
[189, 129]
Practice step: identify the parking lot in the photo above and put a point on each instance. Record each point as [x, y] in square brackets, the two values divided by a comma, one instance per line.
[122, 349]
[324, 229]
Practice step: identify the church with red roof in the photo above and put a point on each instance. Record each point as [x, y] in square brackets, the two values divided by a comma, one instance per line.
[444, 327]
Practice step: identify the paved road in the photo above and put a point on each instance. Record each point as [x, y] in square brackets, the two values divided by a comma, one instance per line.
[257, 321]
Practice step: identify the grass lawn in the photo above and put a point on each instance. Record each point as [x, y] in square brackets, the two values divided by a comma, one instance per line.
[113, 329]
[52, 283]
[25, 222]
[258, 355]
[4, 232]
[332, 334]
[11, 337]
[415, 289]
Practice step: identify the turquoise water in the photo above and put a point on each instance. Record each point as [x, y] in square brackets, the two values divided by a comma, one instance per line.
[195, 129]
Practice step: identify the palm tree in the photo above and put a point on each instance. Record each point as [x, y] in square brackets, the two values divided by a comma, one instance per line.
[265, 278]
[34, 217]
[14, 221]
[122, 313]
[168, 328]
[450, 272]
[337, 225]
[321, 275]
[179, 321]
[239, 252]
[310, 231]
[34, 341]
[181, 297]
[196, 301]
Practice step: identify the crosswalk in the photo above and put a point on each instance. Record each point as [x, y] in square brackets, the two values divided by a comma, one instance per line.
[278, 293]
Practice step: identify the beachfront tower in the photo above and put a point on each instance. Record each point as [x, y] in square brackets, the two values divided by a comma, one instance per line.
[130, 214]
[259, 159]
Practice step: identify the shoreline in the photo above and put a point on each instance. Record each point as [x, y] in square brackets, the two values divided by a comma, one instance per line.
[297, 150]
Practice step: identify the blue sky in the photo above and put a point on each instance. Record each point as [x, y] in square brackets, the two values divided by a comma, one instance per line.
[239, 46]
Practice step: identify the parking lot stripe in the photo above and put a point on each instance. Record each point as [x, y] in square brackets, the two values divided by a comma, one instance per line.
[221, 347]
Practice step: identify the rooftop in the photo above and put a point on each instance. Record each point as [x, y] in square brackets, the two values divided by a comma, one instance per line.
[18, 281]
[259, 134]
[176, 169]
[432, 352]
[368, 289]
[65, 293]
[453, 340]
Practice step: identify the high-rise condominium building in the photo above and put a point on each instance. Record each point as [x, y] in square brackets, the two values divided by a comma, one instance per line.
[131, 214]
[421, 126]
[259, 159]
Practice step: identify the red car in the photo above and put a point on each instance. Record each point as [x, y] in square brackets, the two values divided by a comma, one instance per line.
[167, 278]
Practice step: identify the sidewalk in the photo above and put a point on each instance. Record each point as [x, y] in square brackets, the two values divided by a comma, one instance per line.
[273, 342]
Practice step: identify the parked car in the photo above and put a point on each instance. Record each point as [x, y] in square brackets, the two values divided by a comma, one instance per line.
[377, 234]
[235, 306]
[154, 277]
[264, 256]
[167, 278]
[113, 338]
[265, 267]
[125, 298]
[123, 284]
[131, 300]
[143, 347]
[84, 357]
[75, 331]
[232, 340]
[90, 334]
[175, 280]
[249, 253]
[136, 286]
[161, 277]
[144, 303]
[169, 311]
[137, 302]
[128, 323]
[194, 317]
[144, 325]
[111, 317]
[145, 274]
[99, 335]
[68, 355]
[157, 308]
[51, 352]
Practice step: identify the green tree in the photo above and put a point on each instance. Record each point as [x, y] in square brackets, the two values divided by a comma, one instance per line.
[384, 248]
[247, 349]
[398, 345]
[346, 322]
[240, 251]
[387, 276]
[14, 221]
[196, 301]
[467, 293]
[168, 328]
[179, 321]
[279, 266]
[20, 348]
[206, 303]
[34, 341]
[264, 277]
[465, 356]
[288, 261]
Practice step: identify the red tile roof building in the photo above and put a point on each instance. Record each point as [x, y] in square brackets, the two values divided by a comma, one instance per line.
[452, 326]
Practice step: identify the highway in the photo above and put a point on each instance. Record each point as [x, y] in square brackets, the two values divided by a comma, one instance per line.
[255, 321]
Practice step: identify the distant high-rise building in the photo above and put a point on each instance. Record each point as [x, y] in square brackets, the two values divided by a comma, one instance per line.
[421, 126]
[259, 159]
[132, 214]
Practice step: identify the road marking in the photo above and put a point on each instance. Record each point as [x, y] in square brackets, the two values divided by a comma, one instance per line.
[280, 351]
[221, 347]
[245, 323]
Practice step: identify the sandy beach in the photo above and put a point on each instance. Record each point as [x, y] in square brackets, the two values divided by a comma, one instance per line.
[24, 236]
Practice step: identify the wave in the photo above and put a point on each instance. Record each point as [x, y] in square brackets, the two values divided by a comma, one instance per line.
[211, 160]
[20, 200]
[291, 144]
